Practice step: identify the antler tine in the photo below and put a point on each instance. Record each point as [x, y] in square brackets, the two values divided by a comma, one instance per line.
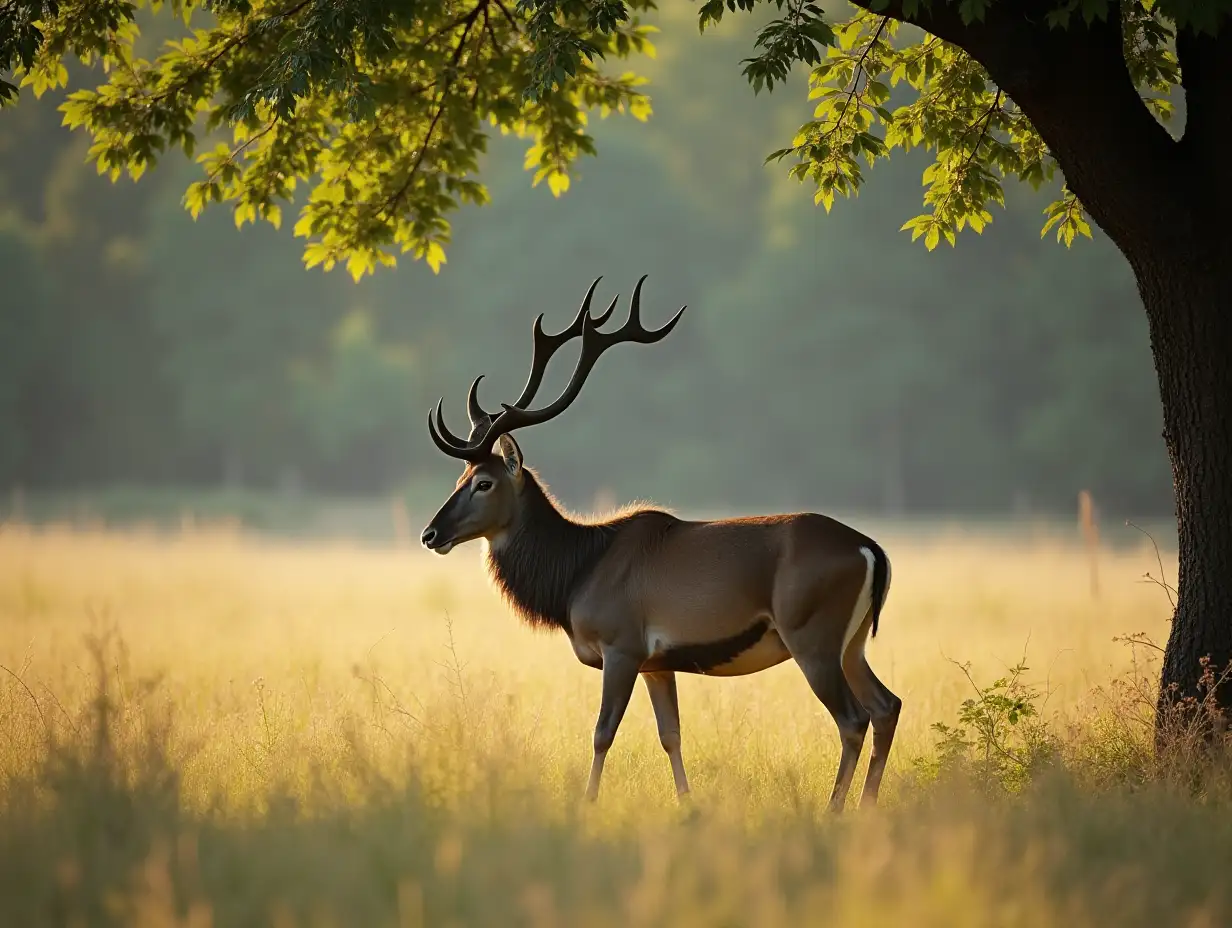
[635, 305]
[607, 313]
[437, 440]
[476, 412]
[450, 443]
[594, 344]
[547, 345]
[638, 332]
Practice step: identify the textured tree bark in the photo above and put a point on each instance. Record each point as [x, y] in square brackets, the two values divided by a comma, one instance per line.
[1166, 204]
[1189, 304]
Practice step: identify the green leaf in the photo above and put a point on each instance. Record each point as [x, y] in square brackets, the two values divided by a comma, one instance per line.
[435, 256]
[360, 263]
[382, 113]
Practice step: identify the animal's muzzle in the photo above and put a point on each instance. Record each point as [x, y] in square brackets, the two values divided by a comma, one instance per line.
[433, 540]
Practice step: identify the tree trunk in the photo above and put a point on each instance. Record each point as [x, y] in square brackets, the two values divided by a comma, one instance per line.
[1165, 203]
[1188, 299]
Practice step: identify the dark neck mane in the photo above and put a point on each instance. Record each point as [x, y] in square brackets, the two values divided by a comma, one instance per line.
[546, 556]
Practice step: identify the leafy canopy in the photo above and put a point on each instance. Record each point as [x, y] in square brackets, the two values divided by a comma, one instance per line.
[383, 108]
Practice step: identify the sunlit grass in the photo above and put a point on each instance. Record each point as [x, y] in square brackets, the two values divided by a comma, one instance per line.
[355, 730]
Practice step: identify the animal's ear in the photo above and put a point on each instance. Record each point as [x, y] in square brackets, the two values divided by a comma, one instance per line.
[510, 453]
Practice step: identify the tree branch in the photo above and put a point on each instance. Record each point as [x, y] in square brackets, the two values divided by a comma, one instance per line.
[852, 91]
[1206, 75]
[984, 123]
[238, 40]
[241, 148]
[450, 74]
[859, 69]
[1073, 85]
[513, 23]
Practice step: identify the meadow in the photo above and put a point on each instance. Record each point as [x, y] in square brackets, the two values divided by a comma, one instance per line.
[202, 727]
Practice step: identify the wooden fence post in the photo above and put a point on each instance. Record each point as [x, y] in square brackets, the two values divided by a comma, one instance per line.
[1090, 532]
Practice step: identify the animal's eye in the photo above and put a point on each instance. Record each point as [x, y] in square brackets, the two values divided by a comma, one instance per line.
[483, 486]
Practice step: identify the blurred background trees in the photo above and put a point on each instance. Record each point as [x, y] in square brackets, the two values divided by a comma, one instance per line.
[825, 361]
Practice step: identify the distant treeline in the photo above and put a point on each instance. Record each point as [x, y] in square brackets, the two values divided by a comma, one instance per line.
[825, 360]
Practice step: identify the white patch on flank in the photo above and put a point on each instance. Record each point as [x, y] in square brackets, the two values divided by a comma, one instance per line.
[863, 602]
[656, 641]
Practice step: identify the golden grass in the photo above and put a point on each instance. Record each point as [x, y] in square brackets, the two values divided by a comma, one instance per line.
[368, 735]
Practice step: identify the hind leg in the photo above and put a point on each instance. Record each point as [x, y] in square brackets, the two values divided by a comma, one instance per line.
[883, 706]
[825, 675]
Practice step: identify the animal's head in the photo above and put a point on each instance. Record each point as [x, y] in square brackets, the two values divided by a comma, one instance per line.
[485, 501]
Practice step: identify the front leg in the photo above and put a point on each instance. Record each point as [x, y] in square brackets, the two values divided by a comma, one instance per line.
[619, 677]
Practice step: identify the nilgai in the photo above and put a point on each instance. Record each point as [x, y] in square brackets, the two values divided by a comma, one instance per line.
[645, 593]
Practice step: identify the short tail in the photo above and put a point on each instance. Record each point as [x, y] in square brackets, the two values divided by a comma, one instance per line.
[881, 580]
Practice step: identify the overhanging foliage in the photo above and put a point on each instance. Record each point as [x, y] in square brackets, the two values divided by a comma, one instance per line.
[383, 108]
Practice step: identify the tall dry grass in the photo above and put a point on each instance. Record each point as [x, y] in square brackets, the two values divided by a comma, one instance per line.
[210, 729]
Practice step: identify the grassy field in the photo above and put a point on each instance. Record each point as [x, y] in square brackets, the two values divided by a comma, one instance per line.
[203, 728]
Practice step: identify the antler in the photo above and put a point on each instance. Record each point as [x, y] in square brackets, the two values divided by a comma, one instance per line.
[545, 346]
[516, 416]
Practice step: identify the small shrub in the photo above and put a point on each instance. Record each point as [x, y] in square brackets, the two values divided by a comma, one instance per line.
[1000, 739]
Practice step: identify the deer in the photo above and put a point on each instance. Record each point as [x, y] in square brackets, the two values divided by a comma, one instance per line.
[643, 593]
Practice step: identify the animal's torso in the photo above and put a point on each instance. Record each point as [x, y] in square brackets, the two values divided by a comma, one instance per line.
[709, 597]
[695, 597]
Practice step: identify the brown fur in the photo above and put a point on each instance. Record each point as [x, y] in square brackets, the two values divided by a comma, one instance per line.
[545, 555]
[646, 594]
